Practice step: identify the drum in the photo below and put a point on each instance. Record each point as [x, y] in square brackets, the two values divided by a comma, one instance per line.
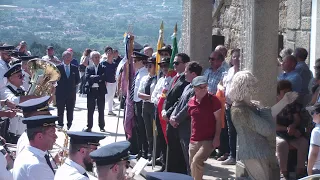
[16, 126]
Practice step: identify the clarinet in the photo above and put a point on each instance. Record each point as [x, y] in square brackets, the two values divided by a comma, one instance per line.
[3, 144]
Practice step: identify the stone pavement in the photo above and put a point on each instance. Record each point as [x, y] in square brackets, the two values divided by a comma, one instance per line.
[213, 169]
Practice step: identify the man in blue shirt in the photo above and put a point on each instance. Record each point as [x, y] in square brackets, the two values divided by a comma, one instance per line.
[306, 75]
[288, 66]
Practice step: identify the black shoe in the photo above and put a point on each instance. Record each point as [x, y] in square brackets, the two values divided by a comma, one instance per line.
[87, 130]
[161, 170]
[102, 130]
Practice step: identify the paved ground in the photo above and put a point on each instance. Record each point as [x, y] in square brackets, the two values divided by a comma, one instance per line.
[213, 169]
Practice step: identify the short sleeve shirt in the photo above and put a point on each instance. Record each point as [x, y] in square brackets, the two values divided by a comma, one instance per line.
[315, 140]
[111, 69]
[203, 121]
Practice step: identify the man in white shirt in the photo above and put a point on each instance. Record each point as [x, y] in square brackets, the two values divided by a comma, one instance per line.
[5, 161]
[33, 162]
[79, 161]
[50, 56]
[32, 107]
[5, 58]
[139, 60]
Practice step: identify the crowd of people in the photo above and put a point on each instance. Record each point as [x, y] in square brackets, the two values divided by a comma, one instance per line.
[189, 106]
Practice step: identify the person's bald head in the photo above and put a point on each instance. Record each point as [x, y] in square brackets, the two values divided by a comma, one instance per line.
[222, 49]
[289, 63]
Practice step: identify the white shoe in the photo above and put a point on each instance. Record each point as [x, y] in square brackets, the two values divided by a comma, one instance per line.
[229, 161]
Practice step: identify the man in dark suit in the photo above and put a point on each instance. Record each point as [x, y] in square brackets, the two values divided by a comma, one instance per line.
[175, 158]
[95, 88]
[179, 117]
[66, 89]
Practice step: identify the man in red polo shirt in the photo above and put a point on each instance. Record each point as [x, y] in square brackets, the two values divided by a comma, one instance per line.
[204, 110]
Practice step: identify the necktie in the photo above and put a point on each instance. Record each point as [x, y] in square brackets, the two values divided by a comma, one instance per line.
[48, 162]
[148, 85]
[175, 80]
[8, 65]
[20, 91]
[85, 174]
[68, 71]
[133, 85]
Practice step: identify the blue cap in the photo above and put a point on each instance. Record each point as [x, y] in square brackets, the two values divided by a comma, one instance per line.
[13, 70]
[40, 121]
[167, 176]
[199, 80]
[111, 153]
[139, 55]
[90, 138]
[36, 104]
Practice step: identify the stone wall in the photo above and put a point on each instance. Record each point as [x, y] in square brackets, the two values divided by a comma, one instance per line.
[294, 22]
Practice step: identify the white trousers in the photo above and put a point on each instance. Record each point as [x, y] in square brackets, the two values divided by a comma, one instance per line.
[111, 89]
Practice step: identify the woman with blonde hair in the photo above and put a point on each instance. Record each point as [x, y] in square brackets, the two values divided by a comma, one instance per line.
[254, 125]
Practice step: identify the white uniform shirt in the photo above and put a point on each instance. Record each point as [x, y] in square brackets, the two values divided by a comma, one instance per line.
[70, 170]
[5, 93]
[32, 165]
[4, 173]
[26, 80]
[162, 83]
[315, 140]
[143, 84]
[3, 69]
[23, 142]
[142, 72]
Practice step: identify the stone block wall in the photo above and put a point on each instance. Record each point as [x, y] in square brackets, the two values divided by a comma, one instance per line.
[294, 22]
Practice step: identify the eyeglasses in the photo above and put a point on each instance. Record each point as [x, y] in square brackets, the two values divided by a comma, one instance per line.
[176, 63]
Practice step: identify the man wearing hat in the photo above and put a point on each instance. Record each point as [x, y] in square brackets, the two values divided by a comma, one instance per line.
[139, 60]
[50, 56]
[32, 107]
[112, 160]
[79, 161]
[165, 51]
[5, 58]
[146, 88]
[25, 70]
[14, 90]
[148, 51]
[33, 162]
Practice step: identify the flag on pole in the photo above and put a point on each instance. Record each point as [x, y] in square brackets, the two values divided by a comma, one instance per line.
[169, 76]
[128, 77]
[159, 46]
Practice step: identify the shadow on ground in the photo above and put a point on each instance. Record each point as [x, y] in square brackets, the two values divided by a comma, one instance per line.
[219, 172]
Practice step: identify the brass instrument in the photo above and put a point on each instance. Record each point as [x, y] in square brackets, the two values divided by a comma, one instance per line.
[44, 74]
[64, 149]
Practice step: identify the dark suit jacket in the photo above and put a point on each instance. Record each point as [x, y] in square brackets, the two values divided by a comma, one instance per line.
[67, 86]
[91, 78]
[174, 94]
[181, 112]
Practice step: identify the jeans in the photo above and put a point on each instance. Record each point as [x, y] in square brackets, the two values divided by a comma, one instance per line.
[232, 134]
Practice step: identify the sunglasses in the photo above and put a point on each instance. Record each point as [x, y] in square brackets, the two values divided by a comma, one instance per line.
[176, 63]
[211, 59]
[164, 65]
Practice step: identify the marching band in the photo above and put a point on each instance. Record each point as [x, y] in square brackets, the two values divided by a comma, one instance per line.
[28, 123]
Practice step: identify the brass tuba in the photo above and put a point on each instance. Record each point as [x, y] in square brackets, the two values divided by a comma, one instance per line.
[44, 75]
[64, 149]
